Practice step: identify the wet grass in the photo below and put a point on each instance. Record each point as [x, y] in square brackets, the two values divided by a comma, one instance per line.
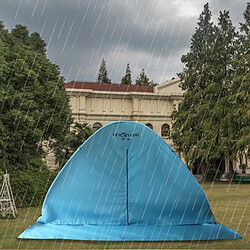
[230, 205]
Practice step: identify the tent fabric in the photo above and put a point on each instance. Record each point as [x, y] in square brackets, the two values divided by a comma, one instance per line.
[135, 232]
[126, 183]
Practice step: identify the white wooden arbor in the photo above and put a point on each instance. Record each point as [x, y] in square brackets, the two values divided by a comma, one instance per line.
[7, 203]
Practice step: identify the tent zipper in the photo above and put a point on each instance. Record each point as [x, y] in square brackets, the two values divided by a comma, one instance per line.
[127, 185]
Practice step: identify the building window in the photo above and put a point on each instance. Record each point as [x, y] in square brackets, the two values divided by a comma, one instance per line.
[149, 125]
[97, 125]
[165, 130]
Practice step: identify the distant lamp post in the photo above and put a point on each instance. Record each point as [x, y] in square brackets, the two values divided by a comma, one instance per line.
[7, 203]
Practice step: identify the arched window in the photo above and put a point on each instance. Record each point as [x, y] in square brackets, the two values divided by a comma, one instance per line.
[97, 125]
[149, 125]
[165, 130]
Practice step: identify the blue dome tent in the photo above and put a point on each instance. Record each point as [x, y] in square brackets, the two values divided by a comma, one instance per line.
[126, 183]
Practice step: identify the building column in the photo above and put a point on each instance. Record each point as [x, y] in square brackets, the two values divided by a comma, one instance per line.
[82, 104]
[135, 106]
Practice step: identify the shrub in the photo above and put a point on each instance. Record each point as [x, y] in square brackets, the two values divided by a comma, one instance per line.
[213, 174]
[31, 185]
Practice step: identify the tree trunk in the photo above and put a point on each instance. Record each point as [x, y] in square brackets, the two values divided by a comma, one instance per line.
[203, 172]
[231, 169]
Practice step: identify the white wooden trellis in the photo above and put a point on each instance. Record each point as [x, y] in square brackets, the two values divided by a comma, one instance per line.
[7, 203]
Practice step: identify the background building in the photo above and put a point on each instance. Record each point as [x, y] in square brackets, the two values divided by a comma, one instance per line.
[98, 104]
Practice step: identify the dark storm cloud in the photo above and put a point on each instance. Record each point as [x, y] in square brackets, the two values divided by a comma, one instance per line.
[147, 34]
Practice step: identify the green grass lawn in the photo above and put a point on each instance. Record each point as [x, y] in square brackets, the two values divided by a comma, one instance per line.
[230, 205]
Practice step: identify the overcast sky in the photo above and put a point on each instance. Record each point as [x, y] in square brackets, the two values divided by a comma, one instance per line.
[149, 34]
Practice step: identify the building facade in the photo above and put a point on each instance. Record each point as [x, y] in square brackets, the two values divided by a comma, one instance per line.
[99, 104]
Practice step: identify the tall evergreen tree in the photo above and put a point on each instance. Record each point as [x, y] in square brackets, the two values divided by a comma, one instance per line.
[103, 74]
[127, 78]
[218, 91]
[238, 119]
[187, 127]
[200, 128]
[143, 80]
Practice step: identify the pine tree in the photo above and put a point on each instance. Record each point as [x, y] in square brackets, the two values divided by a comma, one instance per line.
[212, 121]
[238, 118]
[216, 95]
[218, 91]
[200, 128]
[198, 59]
[187, 127]
[127, 78]
[143, 80]
[103, 74]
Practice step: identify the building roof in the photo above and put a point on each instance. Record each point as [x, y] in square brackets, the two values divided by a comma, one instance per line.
[108, 87]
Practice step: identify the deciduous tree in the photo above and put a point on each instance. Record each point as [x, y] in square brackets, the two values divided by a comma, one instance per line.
[78, 134]
[34, 106]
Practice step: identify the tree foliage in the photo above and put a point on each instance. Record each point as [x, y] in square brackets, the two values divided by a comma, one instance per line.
[206, 125]
[239, 96]
[103, 73]
[187, 131]
[34, 106]
[127, 78]
[78, 134]
[143, 80]
[30, 186]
